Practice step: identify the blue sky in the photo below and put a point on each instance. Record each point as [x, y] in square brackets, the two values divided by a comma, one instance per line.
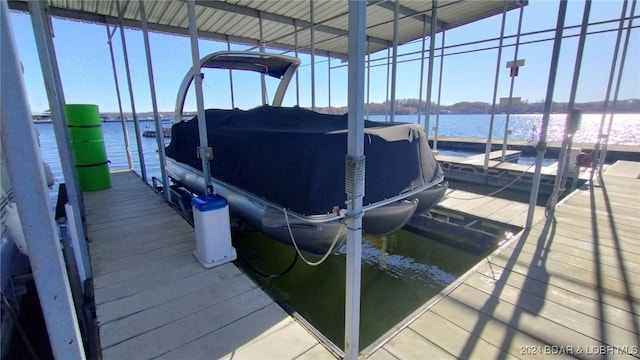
[85, 65]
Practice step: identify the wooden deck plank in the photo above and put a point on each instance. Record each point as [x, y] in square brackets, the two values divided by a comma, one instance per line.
[522, 285]
[223, 343]
[568, 284]
[453, 338]
[147, 317]
[174, 334]
[154, 299]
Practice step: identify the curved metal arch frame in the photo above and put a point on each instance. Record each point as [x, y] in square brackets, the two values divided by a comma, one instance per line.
[259, 59]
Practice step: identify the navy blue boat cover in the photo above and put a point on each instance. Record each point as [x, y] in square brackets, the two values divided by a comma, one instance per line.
[296, 157]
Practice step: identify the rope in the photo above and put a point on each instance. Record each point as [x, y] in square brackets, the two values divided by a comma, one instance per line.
[497, 191]
[293, 240]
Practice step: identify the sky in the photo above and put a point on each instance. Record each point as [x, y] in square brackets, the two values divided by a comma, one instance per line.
[85, 65]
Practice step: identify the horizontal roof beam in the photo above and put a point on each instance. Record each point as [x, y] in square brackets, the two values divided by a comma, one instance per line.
[246, 11]
[17, 5]
[405, 11]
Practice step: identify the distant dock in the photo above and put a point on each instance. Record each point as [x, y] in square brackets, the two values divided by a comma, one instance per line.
[568, 287]
[528, 148]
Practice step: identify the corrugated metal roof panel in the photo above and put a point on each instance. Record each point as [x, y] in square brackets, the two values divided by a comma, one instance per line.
[238, 19]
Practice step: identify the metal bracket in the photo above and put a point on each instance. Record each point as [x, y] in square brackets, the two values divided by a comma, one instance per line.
[206, 153]
[354, 176]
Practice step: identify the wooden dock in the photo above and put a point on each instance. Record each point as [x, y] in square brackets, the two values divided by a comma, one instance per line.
[568, 288]
[154, 300]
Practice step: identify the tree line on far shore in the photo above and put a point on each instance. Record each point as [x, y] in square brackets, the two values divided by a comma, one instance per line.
[413, 107]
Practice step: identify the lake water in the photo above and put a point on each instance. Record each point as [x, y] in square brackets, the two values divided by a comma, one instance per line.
[395, 282]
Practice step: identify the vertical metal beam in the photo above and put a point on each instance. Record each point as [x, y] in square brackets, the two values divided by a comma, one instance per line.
[432, 46]
[329, 77]
[366, 110]
[513, 79]
[495, 88]
[567, 138]
[233, 102]
[55, 94]
[295, 39]
[614, 61]
[542, 143]
[136, 123]
[154, 103]
[263, 82]
[435, 133]
[355, 184]
[424, 40]
[34, 206]
[125, 131]
[394, 63]
[313, 55]
[205, 151]
[603, 155]
[386, 108]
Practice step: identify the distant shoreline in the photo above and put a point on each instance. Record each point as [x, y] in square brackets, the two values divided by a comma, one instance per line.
[167, 117]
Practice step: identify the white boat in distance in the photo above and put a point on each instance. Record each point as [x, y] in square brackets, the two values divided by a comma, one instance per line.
[282, 169]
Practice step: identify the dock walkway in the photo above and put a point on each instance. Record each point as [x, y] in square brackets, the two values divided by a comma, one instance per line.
[569, 288]
[154, 300]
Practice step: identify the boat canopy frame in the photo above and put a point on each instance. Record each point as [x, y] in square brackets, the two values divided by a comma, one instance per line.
[277, 66]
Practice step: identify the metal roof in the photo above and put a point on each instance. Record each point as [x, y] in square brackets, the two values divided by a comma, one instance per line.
[238, 21]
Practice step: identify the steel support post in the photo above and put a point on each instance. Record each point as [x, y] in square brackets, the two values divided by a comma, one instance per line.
[125, 131]
[435, 133]
[24, 163]
[313, 55]
[295, 39]
[487, 150]
[154, 104]
[136, 123]
[329, 78]
[233, 102]
[513, 78]
[394, 61]
[386, 108]
[424, 41]
[432, 46]
[205, 152]
[601, 137]
[355, 179]
[558, 185]
[366, 111]
[55, 94]
[603, 155]
[263, 81]
[542, 143]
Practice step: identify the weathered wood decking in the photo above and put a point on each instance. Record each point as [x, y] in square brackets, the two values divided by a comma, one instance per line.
[570, 287]
[154, 300]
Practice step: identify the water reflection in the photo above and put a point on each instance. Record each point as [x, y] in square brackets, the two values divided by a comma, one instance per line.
[400, 272]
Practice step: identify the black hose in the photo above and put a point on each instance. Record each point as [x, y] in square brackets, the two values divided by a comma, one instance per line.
[259, 272]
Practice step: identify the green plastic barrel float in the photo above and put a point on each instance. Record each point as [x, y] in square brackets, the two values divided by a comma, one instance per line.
[87, 146]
